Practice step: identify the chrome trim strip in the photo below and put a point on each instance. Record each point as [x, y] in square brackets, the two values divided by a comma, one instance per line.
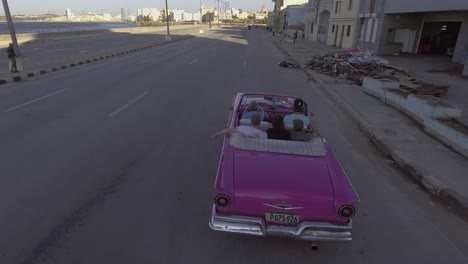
[310, 231]
[283, 207]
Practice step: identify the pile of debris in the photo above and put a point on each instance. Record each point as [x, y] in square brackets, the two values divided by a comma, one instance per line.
[354, 64]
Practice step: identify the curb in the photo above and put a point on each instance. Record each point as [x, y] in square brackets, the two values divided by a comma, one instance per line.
[453, 199]
[82, 61]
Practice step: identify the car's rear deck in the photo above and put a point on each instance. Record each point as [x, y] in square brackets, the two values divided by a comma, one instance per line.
[314, 148]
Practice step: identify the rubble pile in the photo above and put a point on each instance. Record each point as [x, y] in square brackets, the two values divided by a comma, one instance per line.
[354, 64]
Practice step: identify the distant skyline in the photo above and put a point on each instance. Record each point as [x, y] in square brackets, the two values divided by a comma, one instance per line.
[35, 7]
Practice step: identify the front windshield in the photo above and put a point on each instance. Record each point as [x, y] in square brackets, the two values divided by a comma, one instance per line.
[270, 101]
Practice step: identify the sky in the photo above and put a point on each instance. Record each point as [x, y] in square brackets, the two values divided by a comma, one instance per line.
[33, 7]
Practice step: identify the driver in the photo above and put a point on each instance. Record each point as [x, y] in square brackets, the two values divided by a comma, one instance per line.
[297, 115]
[251, 110]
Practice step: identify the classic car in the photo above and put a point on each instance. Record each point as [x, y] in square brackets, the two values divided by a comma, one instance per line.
[280, 187]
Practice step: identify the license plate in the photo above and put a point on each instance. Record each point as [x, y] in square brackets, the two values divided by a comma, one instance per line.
[282, 218]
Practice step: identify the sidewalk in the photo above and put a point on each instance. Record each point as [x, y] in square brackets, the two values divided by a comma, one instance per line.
[438, 169]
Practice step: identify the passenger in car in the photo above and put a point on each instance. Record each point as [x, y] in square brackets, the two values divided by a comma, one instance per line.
[297, 115]
[252, 110]
[278, 131]
[301, 134]
[252, 131]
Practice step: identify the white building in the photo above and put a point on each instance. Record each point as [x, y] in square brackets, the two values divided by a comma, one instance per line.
[124, 13]
[178, 14]
[226, 15]
[107, 16]
[69, 14]
[152, 13]
[191, 16]
[235, 12]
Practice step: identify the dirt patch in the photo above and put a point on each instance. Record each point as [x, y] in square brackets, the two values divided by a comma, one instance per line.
[456, 124]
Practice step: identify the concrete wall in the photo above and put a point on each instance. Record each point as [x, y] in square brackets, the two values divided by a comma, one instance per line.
[411, 6]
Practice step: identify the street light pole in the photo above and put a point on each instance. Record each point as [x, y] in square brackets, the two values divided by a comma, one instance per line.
[10, 27]
[168, 36]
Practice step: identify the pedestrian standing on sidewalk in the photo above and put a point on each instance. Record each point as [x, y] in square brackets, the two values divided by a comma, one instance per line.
[295, 36]
[10, 51]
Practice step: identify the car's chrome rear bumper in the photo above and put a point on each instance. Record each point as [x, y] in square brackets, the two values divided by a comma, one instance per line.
[310, 231]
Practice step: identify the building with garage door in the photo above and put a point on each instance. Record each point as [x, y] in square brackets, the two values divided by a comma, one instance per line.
[415, 26]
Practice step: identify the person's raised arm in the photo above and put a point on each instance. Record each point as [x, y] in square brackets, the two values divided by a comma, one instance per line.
[228, 130]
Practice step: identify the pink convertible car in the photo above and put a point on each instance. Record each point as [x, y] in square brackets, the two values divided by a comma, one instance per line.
[280, 187]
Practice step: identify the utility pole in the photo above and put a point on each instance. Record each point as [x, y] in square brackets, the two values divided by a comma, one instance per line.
[168, 36]
[11, 28]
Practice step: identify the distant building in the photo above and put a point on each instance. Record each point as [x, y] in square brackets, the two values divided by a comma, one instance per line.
[107, 16]
[292, 18]
[208, 13]
[235, 12]
[243, 15]
[270, 20]
[187, 17]
[148, 14]
[69, 14]
[191, 16]
[124, 13]
[178, 15]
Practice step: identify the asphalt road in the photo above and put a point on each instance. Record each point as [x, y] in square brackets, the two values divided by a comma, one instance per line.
[39, 54]
[113, 162]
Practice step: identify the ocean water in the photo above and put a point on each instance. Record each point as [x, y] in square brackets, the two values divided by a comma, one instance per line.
[40, 27]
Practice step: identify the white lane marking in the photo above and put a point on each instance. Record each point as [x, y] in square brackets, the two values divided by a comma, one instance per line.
[245, 64]
[84, 51]
[195, 60]
[36, 49]
[35, 100]
[128, 104]
[145, 60]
